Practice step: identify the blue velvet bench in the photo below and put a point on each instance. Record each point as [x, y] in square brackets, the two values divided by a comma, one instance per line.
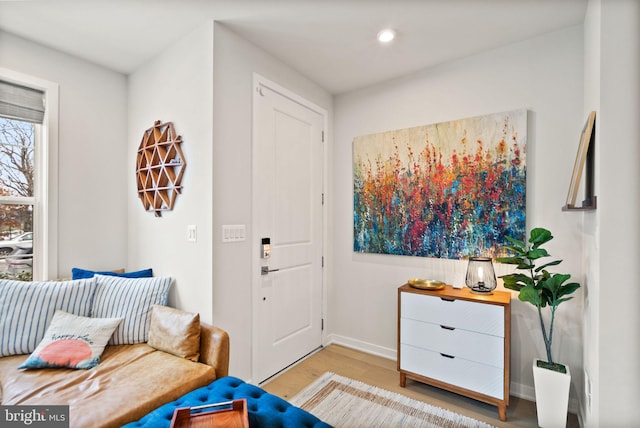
[265, 410]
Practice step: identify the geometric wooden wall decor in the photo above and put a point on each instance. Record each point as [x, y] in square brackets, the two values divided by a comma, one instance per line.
[159, 167]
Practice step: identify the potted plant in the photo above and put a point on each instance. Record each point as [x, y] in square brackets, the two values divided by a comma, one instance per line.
[543, 290]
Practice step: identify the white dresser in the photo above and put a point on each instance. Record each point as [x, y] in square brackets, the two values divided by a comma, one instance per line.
[456, 340]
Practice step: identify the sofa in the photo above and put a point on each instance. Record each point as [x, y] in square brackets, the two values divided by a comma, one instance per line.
[106, 346]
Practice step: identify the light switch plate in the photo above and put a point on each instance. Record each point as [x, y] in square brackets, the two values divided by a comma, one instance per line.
[233, 232]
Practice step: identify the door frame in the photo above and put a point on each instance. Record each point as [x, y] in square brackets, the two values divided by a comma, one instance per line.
[258, 82]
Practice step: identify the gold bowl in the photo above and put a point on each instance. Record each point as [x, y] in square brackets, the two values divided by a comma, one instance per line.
[426, 284]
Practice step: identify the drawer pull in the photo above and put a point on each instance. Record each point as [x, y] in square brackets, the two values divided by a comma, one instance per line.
[446, 327]
[446, 299]
[447, 356]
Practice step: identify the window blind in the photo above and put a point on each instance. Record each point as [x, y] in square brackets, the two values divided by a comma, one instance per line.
[21, 103]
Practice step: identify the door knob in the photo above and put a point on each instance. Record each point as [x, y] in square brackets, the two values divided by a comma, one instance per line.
[264, 270]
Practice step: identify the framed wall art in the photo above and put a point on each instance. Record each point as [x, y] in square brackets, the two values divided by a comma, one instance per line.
[446, 190]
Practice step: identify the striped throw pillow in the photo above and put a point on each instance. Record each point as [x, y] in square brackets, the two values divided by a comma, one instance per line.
[26, 309]
[130, 299]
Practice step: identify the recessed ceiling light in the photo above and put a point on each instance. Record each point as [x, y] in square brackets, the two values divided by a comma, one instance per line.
[386, 36]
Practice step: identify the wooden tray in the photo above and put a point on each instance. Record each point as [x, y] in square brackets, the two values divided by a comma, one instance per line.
[229, 414]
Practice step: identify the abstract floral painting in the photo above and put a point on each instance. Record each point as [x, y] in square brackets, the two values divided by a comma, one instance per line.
[447, 190]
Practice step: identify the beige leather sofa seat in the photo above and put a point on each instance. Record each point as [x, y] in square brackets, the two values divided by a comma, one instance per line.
[129, 382]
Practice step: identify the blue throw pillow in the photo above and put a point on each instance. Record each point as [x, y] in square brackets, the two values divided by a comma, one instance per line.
[77, 273]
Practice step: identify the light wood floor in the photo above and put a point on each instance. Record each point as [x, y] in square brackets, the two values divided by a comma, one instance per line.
[382, 372]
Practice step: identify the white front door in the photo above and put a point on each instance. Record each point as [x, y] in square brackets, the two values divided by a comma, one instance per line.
[288, 211]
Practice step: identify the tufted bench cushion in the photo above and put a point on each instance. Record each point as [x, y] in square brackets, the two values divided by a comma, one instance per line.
[265, 410]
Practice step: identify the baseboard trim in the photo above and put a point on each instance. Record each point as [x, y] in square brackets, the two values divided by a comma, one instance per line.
[360, 345]
[526, 392]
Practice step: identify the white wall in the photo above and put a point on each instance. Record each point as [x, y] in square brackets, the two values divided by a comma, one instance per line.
[176, 86]
[203, 84]
[235, 61]
[92, 143]
[543, 75]
[612, 31]
[591, 260]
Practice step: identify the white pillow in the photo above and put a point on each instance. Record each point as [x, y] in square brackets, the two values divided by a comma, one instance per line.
[130, 299]
[72, 342]
[26, 309]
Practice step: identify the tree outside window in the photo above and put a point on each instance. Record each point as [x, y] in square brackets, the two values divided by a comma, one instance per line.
[17, 154]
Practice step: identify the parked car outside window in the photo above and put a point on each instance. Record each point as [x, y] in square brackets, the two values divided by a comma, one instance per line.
[9, 246]
[21, 260]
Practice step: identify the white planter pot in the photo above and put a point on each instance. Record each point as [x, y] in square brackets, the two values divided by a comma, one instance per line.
[552, 396]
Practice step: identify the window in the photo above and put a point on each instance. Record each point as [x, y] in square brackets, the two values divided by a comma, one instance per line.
[27, 137]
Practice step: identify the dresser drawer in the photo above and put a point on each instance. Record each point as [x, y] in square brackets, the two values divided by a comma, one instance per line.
[482, 348]
[455, 371]
[458, 313]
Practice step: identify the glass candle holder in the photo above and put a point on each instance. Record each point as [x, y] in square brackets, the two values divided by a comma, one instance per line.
[480, 277]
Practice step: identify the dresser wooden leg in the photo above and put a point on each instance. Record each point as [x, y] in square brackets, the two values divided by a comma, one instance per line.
[502, 412]
[403, 380]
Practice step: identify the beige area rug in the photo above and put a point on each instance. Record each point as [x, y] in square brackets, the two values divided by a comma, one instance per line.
[348, 403]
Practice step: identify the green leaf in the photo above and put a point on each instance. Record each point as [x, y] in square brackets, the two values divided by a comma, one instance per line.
[555, 289]
[515, 251]
[544, 275]
[549, 285]
[513, 286]
[536, 253]
[525, 265]
[553, 263]
[539, 236]
[531, 295]
[558, 279]
[510, 260]
[558, 301]
[517, 278]
[517, 245]
[568, 289]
